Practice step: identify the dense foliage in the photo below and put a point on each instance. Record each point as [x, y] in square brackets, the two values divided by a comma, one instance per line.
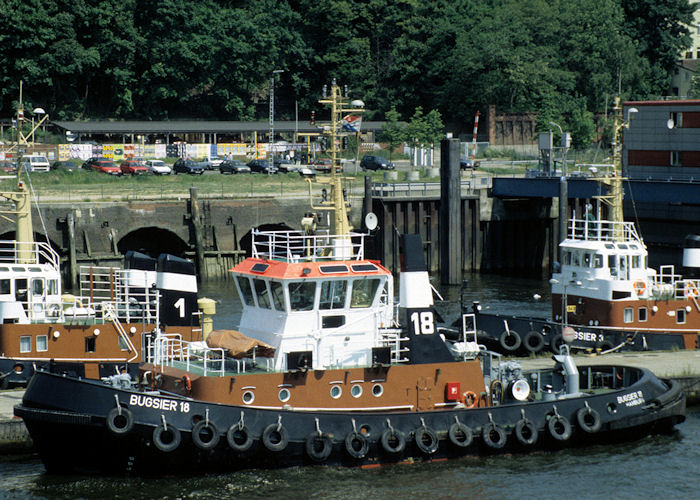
[213, 59]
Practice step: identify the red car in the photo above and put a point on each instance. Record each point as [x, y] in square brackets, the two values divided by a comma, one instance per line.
[102, 165]
[323, 165]
[133, 167]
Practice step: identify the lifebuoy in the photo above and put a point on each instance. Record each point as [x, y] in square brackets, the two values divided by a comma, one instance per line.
[494, 436]
[639, 287]
[393, 441]
[525, 432]
[691, 290]
[588, 420]
[556, 343]
[166, 440]
[460, 435]
[120, 421]
[510, 340]
[426, 440]
[469, 399]
[275, 437]
[533, 341]
[318, 446]
[187, 383]
[559, 427]
[239, 438]
[357, 444]
[205, 435]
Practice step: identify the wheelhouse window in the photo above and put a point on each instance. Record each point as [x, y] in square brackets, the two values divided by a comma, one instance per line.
[246, 291]
[301, 295]
[567, 257]
[5, 288]
[52, 287]
[42, 343]
[363, 292]
[598, 261]
[25, 343]
[680, 316]
[262, 293]
[587, 259]
[123, 346]
[628, 315]
[636, 262]
[333, 293]
[37, 286]
[575, 259]
[277, 295]
[642, 314]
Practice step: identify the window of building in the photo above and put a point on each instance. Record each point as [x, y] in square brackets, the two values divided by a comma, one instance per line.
[675, 158]
[675, 119]
[680, 316]
[642, 313]
[25, 343]
[42, 343]
[628, 315]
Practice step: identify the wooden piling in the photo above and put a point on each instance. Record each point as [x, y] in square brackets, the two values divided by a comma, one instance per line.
[450, 213]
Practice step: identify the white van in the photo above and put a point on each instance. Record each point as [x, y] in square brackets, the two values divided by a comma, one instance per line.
[38, 163]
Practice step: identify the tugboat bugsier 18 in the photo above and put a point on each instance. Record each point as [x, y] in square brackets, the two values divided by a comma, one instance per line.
[323, 370]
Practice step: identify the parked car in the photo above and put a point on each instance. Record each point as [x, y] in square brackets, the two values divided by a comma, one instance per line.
[133, 167]
[7, 166]
[307, 172]
[35, 162]
[233, 167]
[63, 165]
[102, 165]
[466, 163]
[183, 166]
[284, 165]
[261, 166]
[158, 167]
[323, 165]
[215, 161]
[373, 162]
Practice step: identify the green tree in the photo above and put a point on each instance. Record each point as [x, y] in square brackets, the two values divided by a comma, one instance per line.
[393, 132]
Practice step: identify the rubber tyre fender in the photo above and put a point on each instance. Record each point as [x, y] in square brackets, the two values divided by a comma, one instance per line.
[318, 454]
[533, 341]
[494, 436]
[268, 434]
[427, 440]
[235, 432]
[525, 432]
[357, 437]
[503, 339]
[197, 439]
[162, 445]
[559, 428]
[390, 434]
[556, 343]
[458, 429]
[120, 424]
[588, 420]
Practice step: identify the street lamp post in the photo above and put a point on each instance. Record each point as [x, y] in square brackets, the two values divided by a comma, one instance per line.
[272, 119]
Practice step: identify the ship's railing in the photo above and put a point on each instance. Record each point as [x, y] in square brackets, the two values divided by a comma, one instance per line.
[100, 284]
[15, 252]
[393, 338]
[603, 230]
[196, 357]
[295, 246]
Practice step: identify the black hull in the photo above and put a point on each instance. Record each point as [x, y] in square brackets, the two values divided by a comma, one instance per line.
[18, 372]
[492, 328]
[75, 437]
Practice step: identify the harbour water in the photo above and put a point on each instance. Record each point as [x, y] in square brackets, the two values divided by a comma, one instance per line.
[653, 467]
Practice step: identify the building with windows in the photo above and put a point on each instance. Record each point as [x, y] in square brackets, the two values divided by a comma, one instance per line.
[663, 140]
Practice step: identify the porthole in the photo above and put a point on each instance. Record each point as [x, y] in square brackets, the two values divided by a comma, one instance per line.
[248, 397]
[336, 391]
[377, 390]
[612, 408]
[356, 391]
[284, 395]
